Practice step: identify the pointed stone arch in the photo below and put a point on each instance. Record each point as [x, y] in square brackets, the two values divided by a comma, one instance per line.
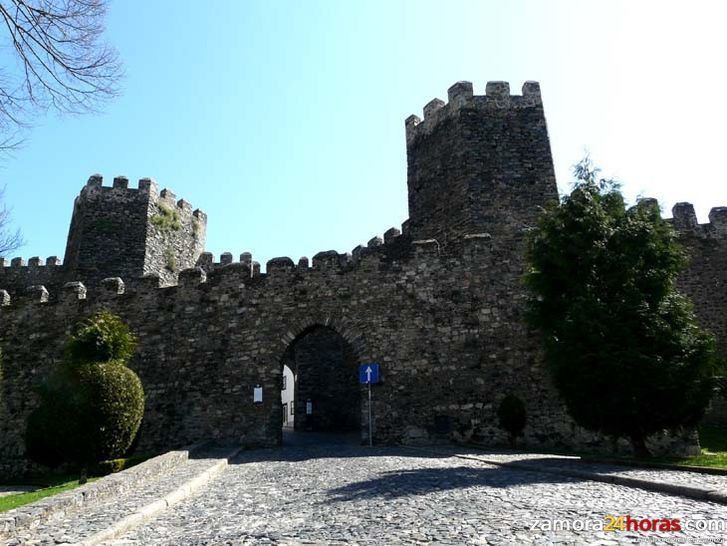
[329, 383]
[347, 329]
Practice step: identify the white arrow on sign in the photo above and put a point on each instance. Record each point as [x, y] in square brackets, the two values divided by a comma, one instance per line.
[368, 374]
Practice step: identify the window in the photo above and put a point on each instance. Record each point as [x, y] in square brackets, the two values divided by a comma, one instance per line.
[285, 382]
[292, 407]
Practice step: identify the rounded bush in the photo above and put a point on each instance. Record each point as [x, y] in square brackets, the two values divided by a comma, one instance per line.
[88, 413]
[90, 409]
[110, 408]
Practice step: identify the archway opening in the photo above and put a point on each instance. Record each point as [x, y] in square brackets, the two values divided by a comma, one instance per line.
[287, 397]
[320, 390]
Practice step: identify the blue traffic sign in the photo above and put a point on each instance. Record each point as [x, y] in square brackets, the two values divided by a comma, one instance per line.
[368, 374]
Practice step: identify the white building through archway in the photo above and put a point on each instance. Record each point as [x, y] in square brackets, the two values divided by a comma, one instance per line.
[287, 396]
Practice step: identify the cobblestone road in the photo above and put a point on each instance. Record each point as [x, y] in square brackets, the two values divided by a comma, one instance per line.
[345, 494]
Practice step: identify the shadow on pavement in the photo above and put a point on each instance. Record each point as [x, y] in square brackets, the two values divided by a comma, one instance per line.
[420, 481]
[302, 446]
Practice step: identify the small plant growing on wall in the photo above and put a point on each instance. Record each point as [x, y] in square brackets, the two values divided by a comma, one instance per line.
[512, 416]
[167, 219]
[92, 403]
[170, 260]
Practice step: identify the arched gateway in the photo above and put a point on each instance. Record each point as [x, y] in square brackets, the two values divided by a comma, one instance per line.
[439, 304]
[326, 394]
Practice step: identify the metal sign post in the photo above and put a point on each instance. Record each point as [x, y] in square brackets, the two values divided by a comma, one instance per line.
[368, 375]
[371, 424]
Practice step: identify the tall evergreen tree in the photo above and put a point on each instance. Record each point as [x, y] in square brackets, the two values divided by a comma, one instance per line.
[623, 346]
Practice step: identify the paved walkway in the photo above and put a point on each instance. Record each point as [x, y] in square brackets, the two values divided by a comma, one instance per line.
[340, 493]
[82, 525]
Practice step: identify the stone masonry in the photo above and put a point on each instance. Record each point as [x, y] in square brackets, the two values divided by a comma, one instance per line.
[438, 304]
[117, 232]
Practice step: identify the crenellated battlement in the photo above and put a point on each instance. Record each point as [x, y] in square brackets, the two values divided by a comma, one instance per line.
[247, 274]
[147, 188]
[16, 274]
[207, 263]
[461, 96]
[684, 220]
[34, 262]
[120, 183]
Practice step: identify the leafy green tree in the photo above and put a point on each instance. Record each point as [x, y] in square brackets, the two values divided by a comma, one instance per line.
[623, 346]
[91, 404]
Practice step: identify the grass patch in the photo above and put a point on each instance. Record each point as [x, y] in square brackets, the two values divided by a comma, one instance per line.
[716, 460]
[9, 502]
[713, 440]
[54, 483]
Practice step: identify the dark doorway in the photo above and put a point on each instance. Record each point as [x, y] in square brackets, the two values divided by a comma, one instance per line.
[327, 395]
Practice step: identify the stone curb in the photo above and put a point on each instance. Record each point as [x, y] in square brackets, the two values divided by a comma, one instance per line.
[149, 511]
[648, 485]
[627, 463]
[57, 506]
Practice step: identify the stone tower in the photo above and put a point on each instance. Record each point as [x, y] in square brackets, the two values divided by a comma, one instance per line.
[130, 232]
[479, 164]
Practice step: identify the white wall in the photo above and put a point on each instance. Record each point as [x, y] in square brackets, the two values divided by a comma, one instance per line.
[287, 395]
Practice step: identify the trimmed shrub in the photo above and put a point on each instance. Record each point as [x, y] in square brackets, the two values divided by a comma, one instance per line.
[107, 404]
[91, 404]
[102, 338]
[512, 416]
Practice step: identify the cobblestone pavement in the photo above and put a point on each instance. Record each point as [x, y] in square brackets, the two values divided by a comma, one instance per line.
[346, 494]
[83, 524]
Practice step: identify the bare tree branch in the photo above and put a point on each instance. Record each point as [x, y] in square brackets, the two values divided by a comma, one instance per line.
[63, 63]
[9, 240]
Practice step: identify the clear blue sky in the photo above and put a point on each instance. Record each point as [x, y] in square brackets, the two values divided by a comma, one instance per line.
[284, 121]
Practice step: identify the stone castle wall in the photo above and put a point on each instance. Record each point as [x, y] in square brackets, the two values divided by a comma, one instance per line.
[446, 329]
[705, 282]
[705, 279]
[438, 304]
[16, 275]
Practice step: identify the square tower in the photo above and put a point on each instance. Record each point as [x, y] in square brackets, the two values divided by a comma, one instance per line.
[131, 232]
[479, 164]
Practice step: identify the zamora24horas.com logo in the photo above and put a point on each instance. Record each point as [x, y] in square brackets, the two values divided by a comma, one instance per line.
[627, 523]
[617, 523]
